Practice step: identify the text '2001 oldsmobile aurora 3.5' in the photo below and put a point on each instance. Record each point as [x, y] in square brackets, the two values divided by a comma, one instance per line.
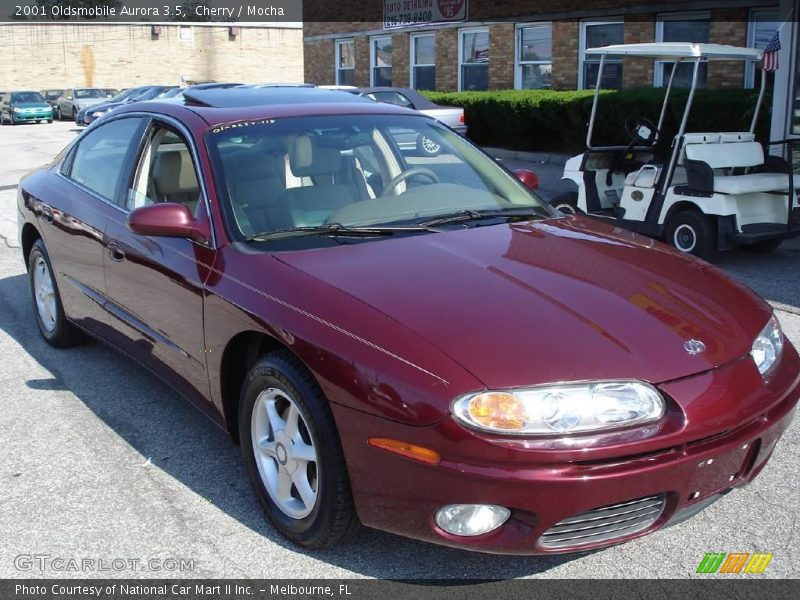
[411, 342]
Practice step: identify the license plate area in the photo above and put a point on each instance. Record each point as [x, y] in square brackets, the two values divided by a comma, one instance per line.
[716, 474]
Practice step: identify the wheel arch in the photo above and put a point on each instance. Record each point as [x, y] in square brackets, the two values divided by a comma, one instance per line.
[679, 206]
[240, 354]
[28, 236]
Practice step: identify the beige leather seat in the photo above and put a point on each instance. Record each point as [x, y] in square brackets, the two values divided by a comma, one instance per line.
[174, 178]
[257, 191]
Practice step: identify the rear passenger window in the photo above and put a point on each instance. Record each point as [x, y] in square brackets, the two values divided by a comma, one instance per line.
[166, 172]
[99, 159]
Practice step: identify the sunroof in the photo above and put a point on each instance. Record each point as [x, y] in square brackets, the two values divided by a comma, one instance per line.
[260, 96]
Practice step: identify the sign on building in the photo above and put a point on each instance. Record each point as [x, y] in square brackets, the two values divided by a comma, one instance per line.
[402, 13]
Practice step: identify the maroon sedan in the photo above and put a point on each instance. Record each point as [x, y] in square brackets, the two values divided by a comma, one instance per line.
[411, 342]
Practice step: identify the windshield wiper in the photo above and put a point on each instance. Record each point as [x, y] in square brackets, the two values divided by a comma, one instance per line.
[337, 229]
[464, 216]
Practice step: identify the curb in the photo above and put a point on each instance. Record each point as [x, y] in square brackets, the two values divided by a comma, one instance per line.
[537, 157]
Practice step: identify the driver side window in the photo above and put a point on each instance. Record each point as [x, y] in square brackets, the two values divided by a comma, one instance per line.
[166, 172]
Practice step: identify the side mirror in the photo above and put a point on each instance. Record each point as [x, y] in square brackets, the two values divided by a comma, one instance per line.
[167, 219]
[528, 178]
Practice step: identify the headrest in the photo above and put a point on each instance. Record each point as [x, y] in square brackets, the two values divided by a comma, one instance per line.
[701, 138]
[307, 159]
[727, 138]
[174, 173]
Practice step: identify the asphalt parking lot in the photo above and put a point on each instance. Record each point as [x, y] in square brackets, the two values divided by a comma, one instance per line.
[101, 460]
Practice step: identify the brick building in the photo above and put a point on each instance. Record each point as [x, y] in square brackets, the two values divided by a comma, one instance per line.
[527, 43]
[39, 56]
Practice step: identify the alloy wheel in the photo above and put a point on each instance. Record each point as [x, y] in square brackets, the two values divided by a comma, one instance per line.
[45, 294]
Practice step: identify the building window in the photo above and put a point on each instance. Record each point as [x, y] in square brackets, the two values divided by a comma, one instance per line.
[381, 59]
[534, 56]
[345, 62]
[423, 61]
[761, 29]
[185, 33]
[796, 97]
[473, 53]
[692, 27]
[595, 34]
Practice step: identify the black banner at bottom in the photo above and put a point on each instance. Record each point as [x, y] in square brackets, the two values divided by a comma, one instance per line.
[732, 587]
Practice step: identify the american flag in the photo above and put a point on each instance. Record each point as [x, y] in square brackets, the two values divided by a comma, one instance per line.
[771, 53]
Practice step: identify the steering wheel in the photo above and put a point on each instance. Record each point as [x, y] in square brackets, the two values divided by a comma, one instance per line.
[412, 172]
[642, 131]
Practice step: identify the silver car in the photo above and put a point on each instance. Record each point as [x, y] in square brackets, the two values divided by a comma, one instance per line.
[74, 100]
[452, 116]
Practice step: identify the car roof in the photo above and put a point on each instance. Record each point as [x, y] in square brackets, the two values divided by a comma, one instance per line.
[218, 106]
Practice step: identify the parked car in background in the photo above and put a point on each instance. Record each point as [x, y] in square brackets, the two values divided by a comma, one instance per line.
[110, 92]
[177, 94]
[419, 344]
[452, 116]
[24, 107]
[51, 96]
[75, 99]
[139, 94]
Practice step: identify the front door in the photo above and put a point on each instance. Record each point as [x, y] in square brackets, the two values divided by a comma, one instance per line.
[155, 284]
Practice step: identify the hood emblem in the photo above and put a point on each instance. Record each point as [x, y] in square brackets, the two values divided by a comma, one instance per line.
[694, 347]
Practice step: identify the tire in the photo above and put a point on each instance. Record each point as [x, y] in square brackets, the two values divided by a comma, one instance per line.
[764, 247]
[567, 203]
[326, 516]
[59, 116]
[47, 308]
[692, 232]
[427, 147]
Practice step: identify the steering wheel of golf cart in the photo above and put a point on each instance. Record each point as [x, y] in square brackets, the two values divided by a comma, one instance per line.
[413, 172]
[642, 131]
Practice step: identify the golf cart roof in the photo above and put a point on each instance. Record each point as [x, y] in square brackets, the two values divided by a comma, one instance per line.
[678, 51]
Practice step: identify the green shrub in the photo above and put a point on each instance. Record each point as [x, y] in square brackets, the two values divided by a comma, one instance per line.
[548, 120]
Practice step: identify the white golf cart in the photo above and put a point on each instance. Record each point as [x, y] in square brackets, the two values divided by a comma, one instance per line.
[716, 190]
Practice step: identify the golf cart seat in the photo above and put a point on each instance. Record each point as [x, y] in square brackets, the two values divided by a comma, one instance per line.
[710, 158]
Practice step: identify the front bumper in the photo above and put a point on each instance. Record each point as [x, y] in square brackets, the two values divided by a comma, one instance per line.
[544, 487]
[38, 116]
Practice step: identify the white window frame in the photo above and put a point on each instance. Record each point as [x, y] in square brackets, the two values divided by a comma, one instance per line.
[658, 71]
[337, 55]
[412, 57]
[518, 62]
[461, 33]
[372, 57]
[752, 19]
[582, 46]
[185, 33]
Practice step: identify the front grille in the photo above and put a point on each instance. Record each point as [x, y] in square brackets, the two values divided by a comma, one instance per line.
[605, 523]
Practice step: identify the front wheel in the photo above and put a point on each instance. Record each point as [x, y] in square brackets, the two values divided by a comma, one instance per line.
[567, 203]
[692, 232]
[293, 455]
[59, 115]
[47, 307]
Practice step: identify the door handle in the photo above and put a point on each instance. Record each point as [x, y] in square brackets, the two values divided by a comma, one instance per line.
[47, 213]
[115, 252]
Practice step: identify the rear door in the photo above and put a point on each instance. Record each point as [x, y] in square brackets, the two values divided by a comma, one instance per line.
[74, 210]
[155, 284]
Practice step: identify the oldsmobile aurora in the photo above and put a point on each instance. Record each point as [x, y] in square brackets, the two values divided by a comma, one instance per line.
[413, 343]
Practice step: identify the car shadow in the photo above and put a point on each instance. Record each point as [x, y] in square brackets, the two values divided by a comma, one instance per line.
[174, 437]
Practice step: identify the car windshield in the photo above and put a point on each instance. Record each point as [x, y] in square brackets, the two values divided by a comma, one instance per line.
[89, 93]
[171, 93]
[291, 177]
[26, 97]
[52, 94]
[122, 95]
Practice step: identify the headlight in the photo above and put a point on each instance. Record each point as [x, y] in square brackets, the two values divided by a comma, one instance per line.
[561, 409]
[17, 110]
[768, 346]
[98, 113]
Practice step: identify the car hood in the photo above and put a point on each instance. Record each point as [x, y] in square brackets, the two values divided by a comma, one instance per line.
[558, 300]
[39, 105]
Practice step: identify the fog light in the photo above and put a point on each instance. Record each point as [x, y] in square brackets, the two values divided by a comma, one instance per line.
[471, 519]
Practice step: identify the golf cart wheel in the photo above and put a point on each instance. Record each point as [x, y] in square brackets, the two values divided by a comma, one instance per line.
[567, 203]
[764, 247]
[427, 146]
[692, 232]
